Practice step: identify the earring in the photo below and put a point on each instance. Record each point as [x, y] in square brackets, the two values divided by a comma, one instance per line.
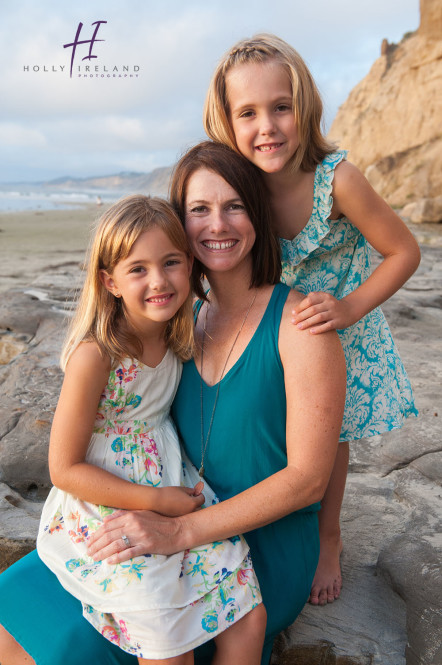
[117, 295]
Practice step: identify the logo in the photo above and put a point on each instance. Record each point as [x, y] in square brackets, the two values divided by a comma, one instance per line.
[92, 41]
[79, 46]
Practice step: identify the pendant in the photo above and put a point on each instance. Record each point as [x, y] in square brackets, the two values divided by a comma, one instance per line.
[201, 471]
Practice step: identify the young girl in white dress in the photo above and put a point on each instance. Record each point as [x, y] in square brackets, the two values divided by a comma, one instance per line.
[114, 446]
[263, 102]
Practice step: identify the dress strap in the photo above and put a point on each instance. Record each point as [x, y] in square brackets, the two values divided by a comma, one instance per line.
[196, 307]
[325, 173]
[267, 333]
[317, 228]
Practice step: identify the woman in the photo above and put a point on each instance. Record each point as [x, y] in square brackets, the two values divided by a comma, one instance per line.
[259, 410]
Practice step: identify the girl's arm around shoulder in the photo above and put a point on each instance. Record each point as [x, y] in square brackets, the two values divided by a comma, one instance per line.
[86, 376]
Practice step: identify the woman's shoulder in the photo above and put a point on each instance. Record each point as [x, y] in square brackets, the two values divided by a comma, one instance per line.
[296, 345]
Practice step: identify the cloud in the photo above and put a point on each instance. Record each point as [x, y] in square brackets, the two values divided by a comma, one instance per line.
[131, 130]
[12, 134]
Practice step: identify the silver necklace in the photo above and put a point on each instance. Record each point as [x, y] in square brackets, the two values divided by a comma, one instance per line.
[204, 443]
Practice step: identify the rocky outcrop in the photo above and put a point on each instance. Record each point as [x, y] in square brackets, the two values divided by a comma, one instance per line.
[31, 382]
[424, 210]
[391, 122]
[389, 612]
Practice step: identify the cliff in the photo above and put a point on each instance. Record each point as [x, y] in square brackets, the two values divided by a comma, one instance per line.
[391, 122]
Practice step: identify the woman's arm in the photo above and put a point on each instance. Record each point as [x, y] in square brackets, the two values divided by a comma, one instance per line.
[314, 371]
[355, 198]
[86, 376]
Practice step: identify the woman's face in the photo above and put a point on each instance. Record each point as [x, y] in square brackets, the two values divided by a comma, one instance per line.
[220, 232]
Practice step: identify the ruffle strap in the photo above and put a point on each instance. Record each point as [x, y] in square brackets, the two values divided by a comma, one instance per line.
[317, 227]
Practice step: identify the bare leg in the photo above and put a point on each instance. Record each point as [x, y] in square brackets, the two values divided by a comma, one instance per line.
[327, 582]
[242, 643]
[11, 653]
[183, 659]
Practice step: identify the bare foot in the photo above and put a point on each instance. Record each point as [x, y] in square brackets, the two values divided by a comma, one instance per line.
[327, 583]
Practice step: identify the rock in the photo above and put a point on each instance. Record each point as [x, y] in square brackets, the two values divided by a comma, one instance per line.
[367, 624]
[391, 121]
[31, 382]
[414, 570]
[10, 346]
[431, 19]
[424, 210]
[19, 520]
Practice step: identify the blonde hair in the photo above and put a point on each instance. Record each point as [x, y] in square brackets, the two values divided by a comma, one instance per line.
[307, 104]
[100, 316]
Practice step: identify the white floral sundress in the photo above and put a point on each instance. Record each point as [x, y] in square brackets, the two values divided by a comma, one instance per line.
[152, 606]
[333, 256]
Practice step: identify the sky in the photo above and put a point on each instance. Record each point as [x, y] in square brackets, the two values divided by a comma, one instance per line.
[54, 125]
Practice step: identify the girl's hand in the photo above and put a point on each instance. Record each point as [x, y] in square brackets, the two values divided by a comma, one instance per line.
[148, 533]
[177, 501]
[321, 312]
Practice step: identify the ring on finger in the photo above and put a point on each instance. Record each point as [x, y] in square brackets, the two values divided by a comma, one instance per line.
[125, 540]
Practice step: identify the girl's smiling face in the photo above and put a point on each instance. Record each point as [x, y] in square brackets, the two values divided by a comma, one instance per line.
[261, 114]
[219, 230]
[153, 280]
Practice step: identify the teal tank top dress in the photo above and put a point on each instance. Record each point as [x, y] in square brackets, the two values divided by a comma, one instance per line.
[248, 444]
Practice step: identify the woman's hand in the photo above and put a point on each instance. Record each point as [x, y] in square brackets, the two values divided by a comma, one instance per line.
[176, 501]
[147, 532]
[321, 312]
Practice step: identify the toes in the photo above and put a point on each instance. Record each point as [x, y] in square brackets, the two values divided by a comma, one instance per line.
[314, 595]
[323, 597]
[337, 587]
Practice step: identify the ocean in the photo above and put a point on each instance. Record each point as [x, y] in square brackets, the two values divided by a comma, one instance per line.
[19, 197]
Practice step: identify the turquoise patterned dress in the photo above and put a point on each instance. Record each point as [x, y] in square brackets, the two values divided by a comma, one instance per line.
[333, 256]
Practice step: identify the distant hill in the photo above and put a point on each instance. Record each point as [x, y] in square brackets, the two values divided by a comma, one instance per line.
[156, 182]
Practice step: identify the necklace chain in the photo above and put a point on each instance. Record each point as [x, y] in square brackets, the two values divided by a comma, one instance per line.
[204, 443]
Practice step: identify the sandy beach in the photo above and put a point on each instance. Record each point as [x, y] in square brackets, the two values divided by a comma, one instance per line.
[31, 241]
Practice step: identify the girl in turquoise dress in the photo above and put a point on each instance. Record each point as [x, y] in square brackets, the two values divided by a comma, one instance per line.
[263, 103]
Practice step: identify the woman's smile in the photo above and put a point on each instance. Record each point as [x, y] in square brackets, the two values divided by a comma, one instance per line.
[219, 245]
